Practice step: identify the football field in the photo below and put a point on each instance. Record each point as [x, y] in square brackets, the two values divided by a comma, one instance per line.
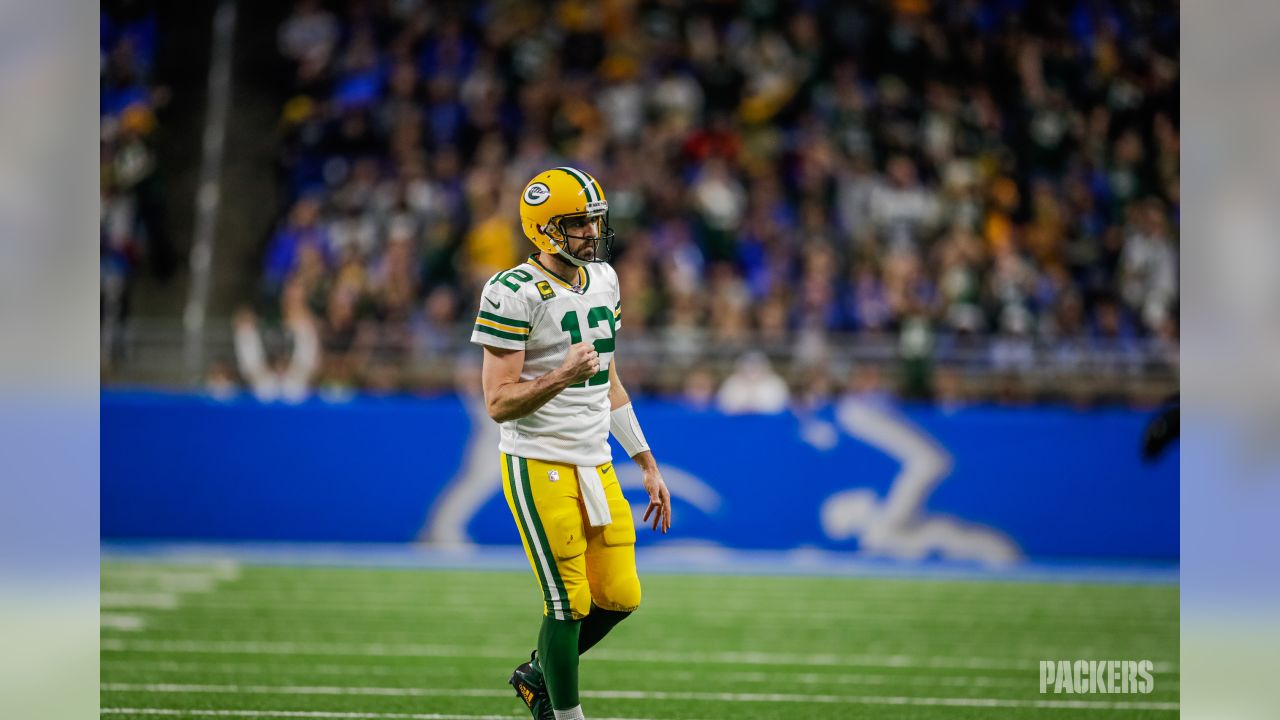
[226, 640]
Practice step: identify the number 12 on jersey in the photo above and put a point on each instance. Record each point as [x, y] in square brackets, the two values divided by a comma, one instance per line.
[595, 316]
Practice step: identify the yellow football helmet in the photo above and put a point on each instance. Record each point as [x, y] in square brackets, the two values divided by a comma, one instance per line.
[561, 194]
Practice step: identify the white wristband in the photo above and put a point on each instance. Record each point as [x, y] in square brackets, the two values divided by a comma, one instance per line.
[626, 428]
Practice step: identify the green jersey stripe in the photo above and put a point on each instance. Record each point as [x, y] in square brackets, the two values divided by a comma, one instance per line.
[546, 546]
[505, 321]
[526, 532]
[498, 333]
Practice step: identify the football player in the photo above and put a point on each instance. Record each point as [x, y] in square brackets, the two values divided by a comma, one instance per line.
[548, 328]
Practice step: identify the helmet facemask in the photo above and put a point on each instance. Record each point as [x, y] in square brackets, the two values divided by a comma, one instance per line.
[565, 230]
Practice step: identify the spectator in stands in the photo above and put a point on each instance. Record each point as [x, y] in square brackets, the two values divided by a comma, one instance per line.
[220, 381]
[753, 387]
[901, 209]
[699, 391]
[301, 235]
[133, 228]
[280, 375]
[492, 244]
[309, 35]
[1149, 265]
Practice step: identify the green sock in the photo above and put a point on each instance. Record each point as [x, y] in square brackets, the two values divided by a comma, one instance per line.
[596, 625]
[558, 660]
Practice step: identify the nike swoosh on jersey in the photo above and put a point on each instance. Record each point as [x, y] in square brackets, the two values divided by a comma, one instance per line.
[496, 305]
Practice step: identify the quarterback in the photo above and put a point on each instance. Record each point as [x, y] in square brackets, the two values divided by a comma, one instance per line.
[548, 328]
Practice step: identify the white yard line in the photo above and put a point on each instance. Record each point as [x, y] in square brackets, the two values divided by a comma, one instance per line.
[251, 647]
[307, 669]
[169, 583]
[144, 571]
[156, 578]
[369, 623]
[150, 589]
[825, 699]
[310, 714]
[976, 679]
[156, 588]
[307, 579]
[854, 614]
[119, 621]
[416, 670]
[852, 610]
[308, 594]
[295, 714]
[153, 600]
[972, 666]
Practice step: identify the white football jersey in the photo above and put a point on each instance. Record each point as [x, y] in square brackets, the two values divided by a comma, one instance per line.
[530, 308]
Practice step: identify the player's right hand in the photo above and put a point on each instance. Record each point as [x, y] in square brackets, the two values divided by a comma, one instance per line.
[581, 362]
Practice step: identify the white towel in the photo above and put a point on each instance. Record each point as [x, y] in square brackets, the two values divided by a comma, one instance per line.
[593, 496]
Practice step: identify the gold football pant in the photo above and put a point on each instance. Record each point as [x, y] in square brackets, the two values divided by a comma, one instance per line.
[575, 564]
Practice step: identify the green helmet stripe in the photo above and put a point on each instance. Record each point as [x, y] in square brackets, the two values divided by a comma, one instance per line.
[584, 181]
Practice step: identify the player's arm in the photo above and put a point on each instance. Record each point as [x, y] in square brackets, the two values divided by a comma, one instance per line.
[625, 427]
[506, 397]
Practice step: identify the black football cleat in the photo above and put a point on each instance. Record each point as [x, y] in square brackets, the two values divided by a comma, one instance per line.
[530, 688]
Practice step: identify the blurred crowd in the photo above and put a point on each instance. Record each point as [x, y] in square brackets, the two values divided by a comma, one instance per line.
[995, 173]
[132, 229]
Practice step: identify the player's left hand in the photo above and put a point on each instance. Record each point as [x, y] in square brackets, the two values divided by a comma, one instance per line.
[659, 500]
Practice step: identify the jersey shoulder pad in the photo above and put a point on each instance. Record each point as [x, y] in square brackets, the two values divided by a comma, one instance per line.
[517, 281]
[505, 316]
[513, 290]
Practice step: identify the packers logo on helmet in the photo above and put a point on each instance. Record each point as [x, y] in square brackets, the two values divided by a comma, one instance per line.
[537, 193]
[564, 205]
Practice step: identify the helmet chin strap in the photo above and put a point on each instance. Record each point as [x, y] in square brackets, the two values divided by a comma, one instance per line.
[564, 252]
[562, 249]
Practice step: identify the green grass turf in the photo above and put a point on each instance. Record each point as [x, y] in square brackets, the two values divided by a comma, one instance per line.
[378, 643]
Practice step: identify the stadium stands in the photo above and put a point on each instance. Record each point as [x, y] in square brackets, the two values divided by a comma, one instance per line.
[947, 184]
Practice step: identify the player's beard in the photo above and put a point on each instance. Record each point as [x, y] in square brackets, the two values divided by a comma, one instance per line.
[586, 252]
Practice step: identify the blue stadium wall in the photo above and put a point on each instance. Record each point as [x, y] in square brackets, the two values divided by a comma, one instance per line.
[1047, 482]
